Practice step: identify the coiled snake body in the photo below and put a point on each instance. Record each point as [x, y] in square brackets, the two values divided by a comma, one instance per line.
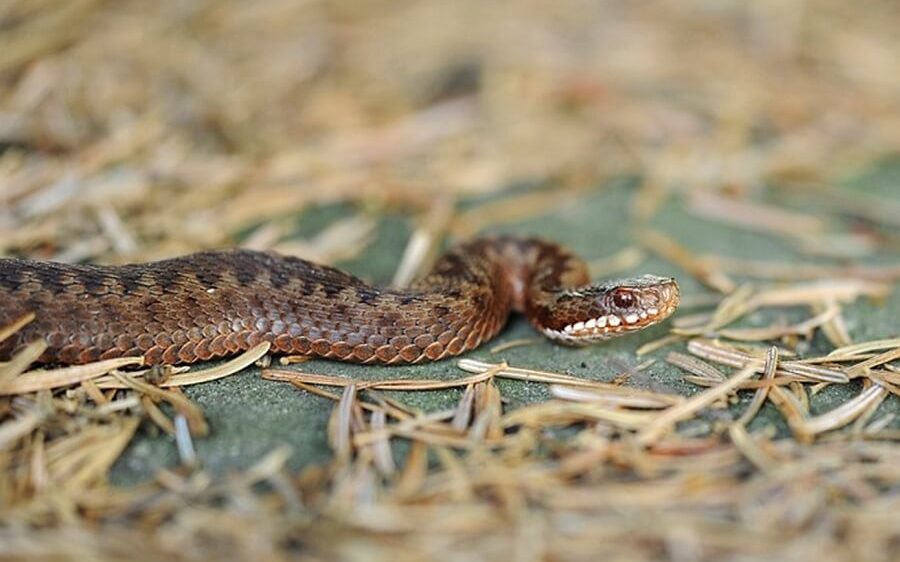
[213, 304]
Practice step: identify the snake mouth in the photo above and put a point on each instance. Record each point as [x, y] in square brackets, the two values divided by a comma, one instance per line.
[606, 327]
[649, 304]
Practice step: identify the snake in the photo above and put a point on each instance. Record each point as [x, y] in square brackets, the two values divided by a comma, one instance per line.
[219, 303]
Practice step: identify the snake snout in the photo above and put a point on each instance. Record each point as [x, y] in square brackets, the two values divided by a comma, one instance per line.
[614, 308]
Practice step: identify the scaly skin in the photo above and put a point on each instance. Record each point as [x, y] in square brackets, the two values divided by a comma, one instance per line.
[214, 304]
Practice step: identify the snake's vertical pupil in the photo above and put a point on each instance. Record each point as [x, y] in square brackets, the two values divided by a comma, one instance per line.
[623, 299]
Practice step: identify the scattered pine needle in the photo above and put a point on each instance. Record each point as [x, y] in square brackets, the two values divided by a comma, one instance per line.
[511, 344]
[42, 379]
[451, 141]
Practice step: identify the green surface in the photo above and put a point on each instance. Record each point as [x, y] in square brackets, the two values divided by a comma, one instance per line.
[249, 417]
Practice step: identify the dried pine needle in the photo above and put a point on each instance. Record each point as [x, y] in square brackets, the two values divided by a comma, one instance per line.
[759, 397]
[388, 384]
[7, 331]
[863, 348]
[19, 363]
[511, 344]
[667, 419]
[226, 369]
[135, 176]
[845, 413]
[624, 397]
[42, 379]
[668, 249]
[501, 370]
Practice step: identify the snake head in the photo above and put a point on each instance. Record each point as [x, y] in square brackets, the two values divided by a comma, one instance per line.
[589, 314]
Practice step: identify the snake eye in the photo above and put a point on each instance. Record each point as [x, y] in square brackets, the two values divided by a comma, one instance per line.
[623, 299]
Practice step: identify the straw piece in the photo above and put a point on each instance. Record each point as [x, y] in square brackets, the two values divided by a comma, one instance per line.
[846, 412]
[880, 359]
[625, 397]
[20, 361]
[750, 449]
[174, 397]
[389, 384]
[759, 398]
[505, 346]
[668, 418]
[54, 378]
[7, 331]
[666, 248]
[864, 347]
[503, 371]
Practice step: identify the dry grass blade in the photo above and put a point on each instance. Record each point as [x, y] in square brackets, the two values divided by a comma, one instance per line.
[7, 331]
[696, 366]
[835, 329]
[668, 249]
[120, 147]
[868, 205]
[384, 459]
[759, 398]
[226, 369]
[99, 458]
[862, 348]
[731, 308]
[415, 468]
[44, 34]
[764, 218]
[154, 412]
[805, 328]
[388, 384]
[184, 442]
[559, 413]
[503, 371]
[505, 346]
[422, 247]
[20, 362]
[660, 343]
[759, 269]
[463, 413]
[431, 423]
[510, 209]
[487, 410]
[181, 378]
[886, 357]
[719, 353]
[827, 290]
[13, 430]
[624, 260]
[750, 449]
[845, 413]
[339, 425]
[178, 401]
[793, 411]
[342, 240]
[624, 397]
[665, 421]
[66, 376]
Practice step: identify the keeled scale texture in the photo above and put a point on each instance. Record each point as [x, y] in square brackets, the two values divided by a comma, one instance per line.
[213, 304]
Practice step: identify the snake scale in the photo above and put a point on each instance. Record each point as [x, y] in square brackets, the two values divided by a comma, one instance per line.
[218, 303]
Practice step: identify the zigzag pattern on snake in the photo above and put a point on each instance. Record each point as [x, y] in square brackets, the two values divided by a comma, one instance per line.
[218, 303]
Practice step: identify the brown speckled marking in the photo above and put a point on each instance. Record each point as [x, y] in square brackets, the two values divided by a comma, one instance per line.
[214, 304]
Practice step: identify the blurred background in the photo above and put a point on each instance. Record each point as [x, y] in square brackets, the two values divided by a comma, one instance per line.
[135, 130]
[750, 149]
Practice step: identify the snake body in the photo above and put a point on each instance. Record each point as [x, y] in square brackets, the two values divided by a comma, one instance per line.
[218, 303]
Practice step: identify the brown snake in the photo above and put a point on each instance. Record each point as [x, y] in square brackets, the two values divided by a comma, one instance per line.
[213, 304]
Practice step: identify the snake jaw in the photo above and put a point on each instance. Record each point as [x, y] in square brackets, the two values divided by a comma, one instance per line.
[615, 308]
